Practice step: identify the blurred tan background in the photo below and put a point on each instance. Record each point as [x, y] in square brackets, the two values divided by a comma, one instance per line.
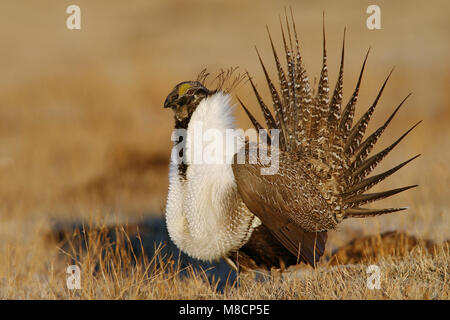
[83, 133]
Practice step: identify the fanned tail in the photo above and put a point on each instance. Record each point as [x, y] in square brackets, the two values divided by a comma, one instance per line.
[334, 114]
[319, 131]
[318, 128]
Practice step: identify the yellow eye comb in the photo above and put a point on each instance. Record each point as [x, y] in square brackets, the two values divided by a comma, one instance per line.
[182, 89]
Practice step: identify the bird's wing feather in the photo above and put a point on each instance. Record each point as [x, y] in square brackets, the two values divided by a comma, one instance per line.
[287, 204]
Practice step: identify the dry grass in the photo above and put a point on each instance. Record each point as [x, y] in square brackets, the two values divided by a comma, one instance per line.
[83, 136]
[113, 269]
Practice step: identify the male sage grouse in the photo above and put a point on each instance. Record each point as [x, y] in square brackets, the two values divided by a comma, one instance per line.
[253, 220]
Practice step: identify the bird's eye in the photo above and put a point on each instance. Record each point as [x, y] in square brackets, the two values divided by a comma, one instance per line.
[190, 91]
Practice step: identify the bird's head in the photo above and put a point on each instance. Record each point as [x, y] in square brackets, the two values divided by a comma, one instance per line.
[184, 99]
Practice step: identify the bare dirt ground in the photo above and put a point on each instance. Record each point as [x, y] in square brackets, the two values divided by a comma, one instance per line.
[84, 138]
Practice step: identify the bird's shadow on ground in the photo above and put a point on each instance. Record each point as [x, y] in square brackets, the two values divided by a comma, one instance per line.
[149, 237]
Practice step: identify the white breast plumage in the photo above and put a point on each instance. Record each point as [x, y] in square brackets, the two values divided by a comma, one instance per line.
[205, 215]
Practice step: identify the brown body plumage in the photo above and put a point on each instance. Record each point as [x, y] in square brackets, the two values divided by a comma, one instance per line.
[325, 163]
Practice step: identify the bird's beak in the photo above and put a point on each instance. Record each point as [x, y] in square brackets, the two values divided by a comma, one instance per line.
[170, 99]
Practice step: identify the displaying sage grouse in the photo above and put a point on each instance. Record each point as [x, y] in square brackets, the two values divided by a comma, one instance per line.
[232, 211]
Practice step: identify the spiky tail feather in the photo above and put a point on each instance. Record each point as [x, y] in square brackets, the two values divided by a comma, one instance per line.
[316, 128]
